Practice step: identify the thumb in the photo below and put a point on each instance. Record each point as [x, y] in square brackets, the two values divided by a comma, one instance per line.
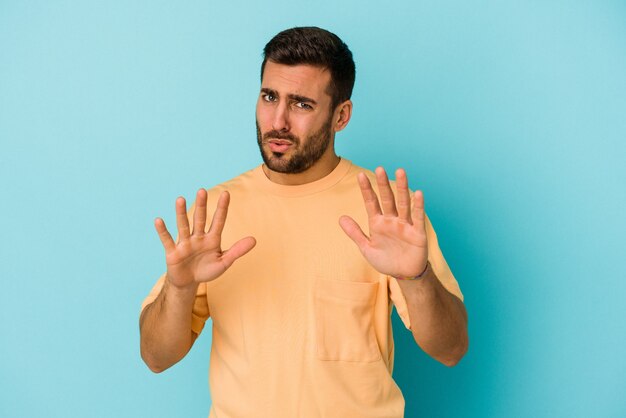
[354, 231]
[237, 250]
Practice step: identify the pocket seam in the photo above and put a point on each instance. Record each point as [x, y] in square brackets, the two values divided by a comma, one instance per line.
[339, 302]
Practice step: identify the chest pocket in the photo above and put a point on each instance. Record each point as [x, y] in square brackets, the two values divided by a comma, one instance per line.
[344, 321]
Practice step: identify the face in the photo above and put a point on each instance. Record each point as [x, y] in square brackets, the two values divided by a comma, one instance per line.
[294, 120]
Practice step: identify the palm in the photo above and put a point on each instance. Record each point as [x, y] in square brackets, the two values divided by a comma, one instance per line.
[198, 256]
[397, 244]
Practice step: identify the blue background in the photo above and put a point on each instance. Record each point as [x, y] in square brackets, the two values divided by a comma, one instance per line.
[509, 115]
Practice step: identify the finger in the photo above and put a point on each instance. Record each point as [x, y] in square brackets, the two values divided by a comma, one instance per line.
[182, 222]
[387, 199]
[354, 231]
[219, 217]
[369, 196]
[199, 216]
[164, 235]
[237, 250]
[417, 213]
[404, 198]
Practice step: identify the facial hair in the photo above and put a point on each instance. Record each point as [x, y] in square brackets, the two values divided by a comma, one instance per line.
[302, 157]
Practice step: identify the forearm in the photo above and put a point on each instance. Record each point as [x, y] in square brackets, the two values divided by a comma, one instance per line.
[165, 327]
[438, 318]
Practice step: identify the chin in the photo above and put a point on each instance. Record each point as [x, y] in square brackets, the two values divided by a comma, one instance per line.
[276, 162]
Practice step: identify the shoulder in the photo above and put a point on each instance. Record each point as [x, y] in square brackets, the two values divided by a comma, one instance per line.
[237, 183]
[354, 171]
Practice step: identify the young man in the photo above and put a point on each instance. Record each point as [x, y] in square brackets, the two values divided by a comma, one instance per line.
[301, 320]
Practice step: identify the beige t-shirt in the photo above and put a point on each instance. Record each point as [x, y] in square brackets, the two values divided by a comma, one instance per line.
[301, 324]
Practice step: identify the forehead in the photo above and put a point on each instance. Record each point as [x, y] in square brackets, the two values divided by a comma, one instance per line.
[304, 80]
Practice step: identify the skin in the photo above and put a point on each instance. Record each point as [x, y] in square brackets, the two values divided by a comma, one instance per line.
[293, 100]
[294, 106]
[397, 246]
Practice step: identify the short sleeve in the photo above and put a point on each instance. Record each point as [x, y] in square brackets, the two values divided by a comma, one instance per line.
[440, 268]
[200, 312]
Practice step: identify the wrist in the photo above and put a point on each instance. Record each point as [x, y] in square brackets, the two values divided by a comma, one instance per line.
[187, 289]
[426, 270]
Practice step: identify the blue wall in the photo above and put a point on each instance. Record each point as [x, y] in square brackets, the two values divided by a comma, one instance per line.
[509, 115]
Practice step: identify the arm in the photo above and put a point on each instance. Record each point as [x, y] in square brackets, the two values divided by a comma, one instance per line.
[438, 318]
[165, 324]
[397, 246]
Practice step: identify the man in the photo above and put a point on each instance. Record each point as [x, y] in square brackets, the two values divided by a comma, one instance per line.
[301, 320]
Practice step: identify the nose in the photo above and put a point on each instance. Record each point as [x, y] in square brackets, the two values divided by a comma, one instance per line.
[281, 118]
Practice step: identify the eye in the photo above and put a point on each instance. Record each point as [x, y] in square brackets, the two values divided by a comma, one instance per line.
[304, 106]
[268, 97]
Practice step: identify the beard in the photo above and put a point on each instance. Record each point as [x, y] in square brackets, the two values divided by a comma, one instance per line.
[302, 156]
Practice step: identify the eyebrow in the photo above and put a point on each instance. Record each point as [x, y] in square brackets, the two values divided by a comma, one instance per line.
[302, 99]
[296, 97]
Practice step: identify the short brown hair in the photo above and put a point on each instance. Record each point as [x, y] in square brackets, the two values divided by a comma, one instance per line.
[318, 47]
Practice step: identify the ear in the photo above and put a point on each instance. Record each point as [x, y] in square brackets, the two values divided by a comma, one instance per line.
[342, 115]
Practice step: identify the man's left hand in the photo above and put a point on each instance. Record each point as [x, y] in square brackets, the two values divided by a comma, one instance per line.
[397, 244]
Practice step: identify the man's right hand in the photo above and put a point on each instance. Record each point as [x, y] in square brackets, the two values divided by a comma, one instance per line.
[197, 256]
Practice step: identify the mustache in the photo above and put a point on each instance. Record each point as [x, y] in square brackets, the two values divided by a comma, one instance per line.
[274, 134]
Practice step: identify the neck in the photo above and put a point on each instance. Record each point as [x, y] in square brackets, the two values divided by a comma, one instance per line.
[317, 171]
